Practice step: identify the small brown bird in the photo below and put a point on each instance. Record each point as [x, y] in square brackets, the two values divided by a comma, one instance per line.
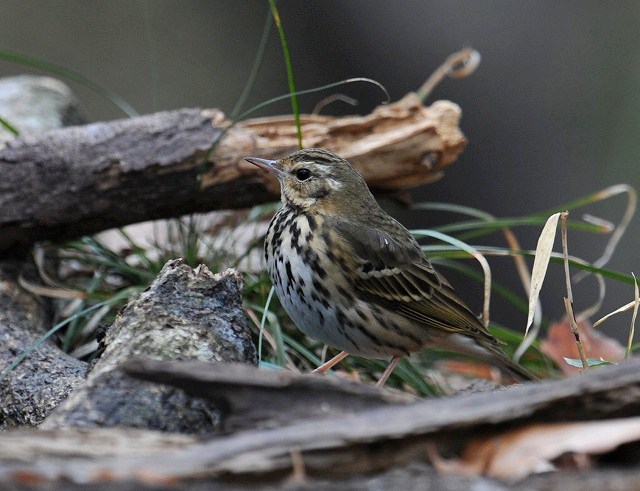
[354, 278]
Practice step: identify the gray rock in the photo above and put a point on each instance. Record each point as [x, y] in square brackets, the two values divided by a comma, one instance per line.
[33, 104]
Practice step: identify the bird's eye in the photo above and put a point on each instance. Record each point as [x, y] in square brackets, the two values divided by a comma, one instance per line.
[303, 174]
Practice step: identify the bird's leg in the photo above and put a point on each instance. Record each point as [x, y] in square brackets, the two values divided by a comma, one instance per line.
[388, 370]
[333, 361]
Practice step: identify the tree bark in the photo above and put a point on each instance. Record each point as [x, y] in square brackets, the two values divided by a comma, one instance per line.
[184, 314]
[47, 376]
[324, 447]
[76, 181]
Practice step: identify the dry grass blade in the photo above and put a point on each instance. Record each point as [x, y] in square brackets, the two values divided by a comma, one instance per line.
[51, 292]
[622, 226]
[477, 256]
[458, 65]
[636, 302]
[619, 310]
[588, 312]
[540, 264]
[565, 253]
[525, 278]
[320, 105]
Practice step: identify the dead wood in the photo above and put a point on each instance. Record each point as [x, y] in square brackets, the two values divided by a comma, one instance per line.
[367, 441]
[184, 314]
[267, 398]
[74, 181]
[47, 377]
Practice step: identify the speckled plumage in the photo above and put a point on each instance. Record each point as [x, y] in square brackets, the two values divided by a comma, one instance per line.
[353, 277]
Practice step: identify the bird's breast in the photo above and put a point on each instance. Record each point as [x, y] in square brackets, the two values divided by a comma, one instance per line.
[311, 279]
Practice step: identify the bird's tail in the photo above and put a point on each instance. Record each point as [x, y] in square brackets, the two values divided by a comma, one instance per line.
[486, 348]
[505, 363]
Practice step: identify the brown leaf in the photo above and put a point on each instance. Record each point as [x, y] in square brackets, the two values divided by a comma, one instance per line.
[471, 369]
[560, 344]
[516, 454]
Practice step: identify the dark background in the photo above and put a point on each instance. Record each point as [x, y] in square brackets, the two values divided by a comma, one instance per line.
[551, 114]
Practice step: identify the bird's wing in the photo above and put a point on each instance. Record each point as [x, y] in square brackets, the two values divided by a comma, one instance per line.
[395, 273]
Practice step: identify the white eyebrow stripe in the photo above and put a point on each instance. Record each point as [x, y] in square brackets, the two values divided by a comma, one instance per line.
[322, 167]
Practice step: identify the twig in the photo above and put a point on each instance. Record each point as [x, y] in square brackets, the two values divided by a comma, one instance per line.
[331, 99]
[565, 254]
[568, 300]
[636, 302]
[458, 65]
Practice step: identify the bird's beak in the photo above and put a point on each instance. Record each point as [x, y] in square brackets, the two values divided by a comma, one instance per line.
[268, 165]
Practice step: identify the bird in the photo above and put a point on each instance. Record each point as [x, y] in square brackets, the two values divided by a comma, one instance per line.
[351, 276]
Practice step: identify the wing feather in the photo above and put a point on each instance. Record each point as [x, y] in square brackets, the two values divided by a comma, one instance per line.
[391, 270]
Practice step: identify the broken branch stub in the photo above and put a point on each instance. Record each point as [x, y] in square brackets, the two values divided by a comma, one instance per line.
[76, 181]
[398, 146]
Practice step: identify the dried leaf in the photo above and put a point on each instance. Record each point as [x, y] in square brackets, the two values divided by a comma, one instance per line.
[540, 263]
[561, 344]
[472, 369]
[516, 454]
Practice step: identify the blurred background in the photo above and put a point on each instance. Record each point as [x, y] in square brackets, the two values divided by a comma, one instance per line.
[552, 113]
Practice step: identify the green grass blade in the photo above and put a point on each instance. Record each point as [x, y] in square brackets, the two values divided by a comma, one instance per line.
[405, 373]
[485, 227]
[9, 127]
[556, 257]
[453, 208]
[32, 61]
[257, 63]
[287, 61]
[74, 331]
[302, 351]
[263, 321]
[499, 289]
[273, 100]
[22, 356]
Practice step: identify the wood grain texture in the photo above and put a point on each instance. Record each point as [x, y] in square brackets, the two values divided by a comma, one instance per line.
[331, 447]
[74, 181]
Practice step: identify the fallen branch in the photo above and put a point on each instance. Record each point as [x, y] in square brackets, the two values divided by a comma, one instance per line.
[267, 398]
[336, 445]
[75, 181]
[46, 378]
[184, 314]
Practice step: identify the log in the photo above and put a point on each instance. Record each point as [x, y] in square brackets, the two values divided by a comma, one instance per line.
[30, 391]
[34, 388]
[70, 182]
[184, 314]
[264, 399]
[335, 446]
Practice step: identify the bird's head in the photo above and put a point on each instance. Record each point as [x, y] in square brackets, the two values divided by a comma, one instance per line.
[318, 180]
